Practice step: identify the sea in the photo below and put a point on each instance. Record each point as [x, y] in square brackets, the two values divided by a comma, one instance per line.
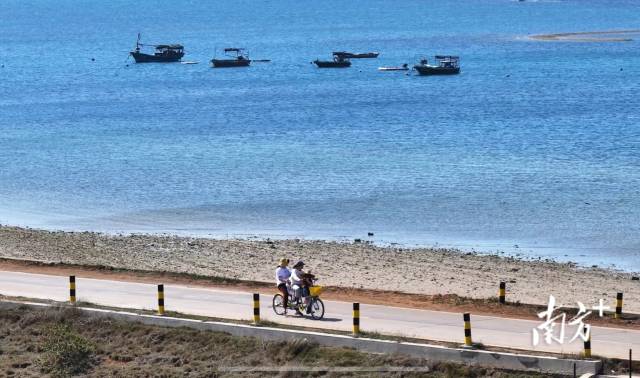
[532, 151]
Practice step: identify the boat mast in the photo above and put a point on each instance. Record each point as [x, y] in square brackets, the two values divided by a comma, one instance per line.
[138, 43]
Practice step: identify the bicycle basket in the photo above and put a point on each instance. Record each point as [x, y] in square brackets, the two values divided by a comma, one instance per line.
[315, 290]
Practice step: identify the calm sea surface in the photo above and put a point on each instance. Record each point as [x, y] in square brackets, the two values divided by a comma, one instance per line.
[533, 149]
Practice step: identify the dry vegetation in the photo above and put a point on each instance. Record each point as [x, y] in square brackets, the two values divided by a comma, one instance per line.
[63, 342]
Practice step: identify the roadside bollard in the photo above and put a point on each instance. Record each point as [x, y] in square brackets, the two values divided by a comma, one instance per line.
[467, 329]
[587, 345]
[160, 299]
[502, 292]
[356, 319]
[618, 306]
[256, 308]
[72, 289]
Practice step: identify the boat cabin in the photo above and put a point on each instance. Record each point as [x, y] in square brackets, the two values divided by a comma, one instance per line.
[169, 50]
[238, 53]
[448, 61]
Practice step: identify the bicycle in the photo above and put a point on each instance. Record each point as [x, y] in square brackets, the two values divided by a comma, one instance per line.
[315, 305]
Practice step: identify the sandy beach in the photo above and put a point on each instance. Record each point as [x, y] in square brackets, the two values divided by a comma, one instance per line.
[355, 265]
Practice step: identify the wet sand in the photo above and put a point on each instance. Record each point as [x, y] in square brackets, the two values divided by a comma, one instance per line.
[421, 271]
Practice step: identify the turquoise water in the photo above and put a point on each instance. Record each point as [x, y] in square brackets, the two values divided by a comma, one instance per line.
[533, 149]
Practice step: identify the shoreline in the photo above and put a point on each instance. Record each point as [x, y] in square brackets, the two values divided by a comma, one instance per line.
[352, 265]
[587, 36]
[526, 250]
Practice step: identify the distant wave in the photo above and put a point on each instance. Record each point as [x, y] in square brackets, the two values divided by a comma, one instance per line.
[537, 1]
[588, 36]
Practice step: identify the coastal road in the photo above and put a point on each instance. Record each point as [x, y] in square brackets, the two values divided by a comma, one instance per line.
[431, 325]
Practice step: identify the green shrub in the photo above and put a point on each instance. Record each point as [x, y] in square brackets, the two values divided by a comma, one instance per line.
[65, 352]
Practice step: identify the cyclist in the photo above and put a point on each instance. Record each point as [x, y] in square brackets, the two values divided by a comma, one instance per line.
[300, 282]
[283, 274]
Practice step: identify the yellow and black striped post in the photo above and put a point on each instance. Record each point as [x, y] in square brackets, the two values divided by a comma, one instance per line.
[587, 344]
[356, 319]
[502, 292]
[618, 306]
[467, 329]
[161, 299]
[256, 308]
[72, 289]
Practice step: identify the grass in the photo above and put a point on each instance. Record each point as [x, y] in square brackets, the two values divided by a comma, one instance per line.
[61, 341]
[64, 351]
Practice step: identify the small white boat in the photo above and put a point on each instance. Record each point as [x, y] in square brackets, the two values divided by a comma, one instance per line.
[404, 67]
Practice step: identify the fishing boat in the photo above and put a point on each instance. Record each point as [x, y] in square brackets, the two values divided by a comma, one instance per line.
[349, 55]
[446, 65]
[404, 67]
[337, 62]
[163, 53]
[237, 57]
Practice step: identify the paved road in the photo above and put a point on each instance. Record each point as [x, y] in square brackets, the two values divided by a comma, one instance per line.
[433, 325]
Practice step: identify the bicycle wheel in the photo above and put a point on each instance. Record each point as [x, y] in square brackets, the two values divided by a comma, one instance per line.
[301, 307]
[317, 308]
[278, 304]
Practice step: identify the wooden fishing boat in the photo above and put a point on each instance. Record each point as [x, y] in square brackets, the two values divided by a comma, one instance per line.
[350, 55]
[163, 53]
[446, 65]
[337, 62]
[237, 58]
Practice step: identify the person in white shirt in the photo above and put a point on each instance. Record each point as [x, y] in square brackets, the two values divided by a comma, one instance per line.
[283, 274]
[300, 283]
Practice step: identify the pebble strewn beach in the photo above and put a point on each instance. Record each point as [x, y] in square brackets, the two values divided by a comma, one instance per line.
[423, 271]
